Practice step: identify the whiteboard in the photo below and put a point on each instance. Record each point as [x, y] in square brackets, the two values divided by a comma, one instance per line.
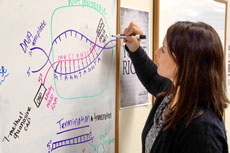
[57, 76]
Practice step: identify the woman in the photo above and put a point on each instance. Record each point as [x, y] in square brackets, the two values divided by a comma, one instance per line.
[188, 82]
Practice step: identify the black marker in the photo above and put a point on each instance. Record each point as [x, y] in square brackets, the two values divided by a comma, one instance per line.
[122, 36]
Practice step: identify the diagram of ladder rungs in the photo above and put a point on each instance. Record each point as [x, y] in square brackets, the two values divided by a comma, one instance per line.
[72, 141]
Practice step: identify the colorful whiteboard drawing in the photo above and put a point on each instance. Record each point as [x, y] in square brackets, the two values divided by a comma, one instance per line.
[61, 89]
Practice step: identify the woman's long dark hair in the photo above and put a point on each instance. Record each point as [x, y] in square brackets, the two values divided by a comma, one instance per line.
[200, 79]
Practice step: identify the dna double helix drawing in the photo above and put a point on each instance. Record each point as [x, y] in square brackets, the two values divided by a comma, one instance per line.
[75, 65]
[78, 61]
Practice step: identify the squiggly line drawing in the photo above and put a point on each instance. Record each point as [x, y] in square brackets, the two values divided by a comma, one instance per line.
[3, 79]
[55, 41]
[73, 129]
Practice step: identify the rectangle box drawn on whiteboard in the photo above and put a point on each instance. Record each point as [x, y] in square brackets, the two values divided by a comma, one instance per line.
[40, 95]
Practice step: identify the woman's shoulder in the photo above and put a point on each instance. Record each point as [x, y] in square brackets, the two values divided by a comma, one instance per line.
[205, 133]
[207, 123]
[207, 116]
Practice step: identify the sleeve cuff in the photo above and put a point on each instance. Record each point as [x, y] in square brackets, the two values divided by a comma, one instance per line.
[136, 53]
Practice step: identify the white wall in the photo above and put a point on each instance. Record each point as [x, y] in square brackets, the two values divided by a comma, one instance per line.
[132, 120]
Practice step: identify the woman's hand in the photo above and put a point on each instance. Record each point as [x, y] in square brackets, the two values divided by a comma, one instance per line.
[130, 40]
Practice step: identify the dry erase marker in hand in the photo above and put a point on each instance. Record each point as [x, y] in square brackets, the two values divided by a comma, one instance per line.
[122, 36]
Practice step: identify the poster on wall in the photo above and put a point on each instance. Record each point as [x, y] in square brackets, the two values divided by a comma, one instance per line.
[58, 76]
[132, 92]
